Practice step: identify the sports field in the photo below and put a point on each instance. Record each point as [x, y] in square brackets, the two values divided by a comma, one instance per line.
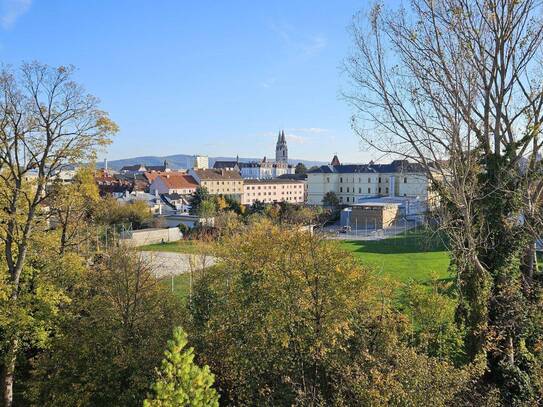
[416, 255]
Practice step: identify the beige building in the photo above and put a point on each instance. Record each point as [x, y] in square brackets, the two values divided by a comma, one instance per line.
[374, 215]
[272, 190]
[219, 182]
[355, 182]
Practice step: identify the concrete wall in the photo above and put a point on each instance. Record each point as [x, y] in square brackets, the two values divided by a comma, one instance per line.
[150, 236]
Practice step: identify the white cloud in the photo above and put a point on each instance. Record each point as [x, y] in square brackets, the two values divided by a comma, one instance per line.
[307, 45]
[11, 10]
[310, 130]
[296, 139]
[314, 45]
[268, 83]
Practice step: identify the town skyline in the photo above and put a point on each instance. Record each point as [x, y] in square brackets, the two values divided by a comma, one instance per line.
[265, 69]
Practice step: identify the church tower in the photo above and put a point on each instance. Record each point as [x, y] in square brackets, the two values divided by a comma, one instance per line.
[281, 150]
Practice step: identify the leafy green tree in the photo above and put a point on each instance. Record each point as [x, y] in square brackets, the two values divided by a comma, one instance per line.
[235, 205]
[181, 382]
[300, 168]
[330, 200]
[109, 211]
[48, 122]
[283, 316]
[433, 315]
[201, 194]
[258, 207]
[207, 208]
[72, 207]
[479, 144]
[110, 339]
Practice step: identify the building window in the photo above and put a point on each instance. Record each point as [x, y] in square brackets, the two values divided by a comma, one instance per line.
[347, 199]
[340, 199]
[340, 189]
[379, 189]
[327, 179]
[359, 190]
[347, 189]
[341, 179]
[405, 180]
[387, 190]
[379, 181]
[369, 190]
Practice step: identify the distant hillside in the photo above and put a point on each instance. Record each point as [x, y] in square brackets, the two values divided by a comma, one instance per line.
[184, 161]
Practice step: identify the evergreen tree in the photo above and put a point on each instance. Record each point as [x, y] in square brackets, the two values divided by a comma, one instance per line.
[330, 200]
[201, 194]
[182, 382]
[300, 168]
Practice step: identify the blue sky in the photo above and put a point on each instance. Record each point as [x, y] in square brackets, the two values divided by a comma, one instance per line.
[206, 77]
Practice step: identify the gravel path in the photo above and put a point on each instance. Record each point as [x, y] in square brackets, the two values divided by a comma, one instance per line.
[168, 263]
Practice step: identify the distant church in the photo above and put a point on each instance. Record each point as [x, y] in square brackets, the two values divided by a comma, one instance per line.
[263, 169]
[281, 149]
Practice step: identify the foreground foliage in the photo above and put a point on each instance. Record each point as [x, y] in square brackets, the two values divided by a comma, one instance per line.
[181, 382]
[109, 340]
[291, 319]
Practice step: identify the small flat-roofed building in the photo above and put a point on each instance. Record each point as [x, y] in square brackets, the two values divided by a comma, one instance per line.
[273, 190]
[374, 215]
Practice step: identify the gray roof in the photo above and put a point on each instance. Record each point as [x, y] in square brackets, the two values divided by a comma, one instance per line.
[295, 177]
[224, 164]
[402, 166]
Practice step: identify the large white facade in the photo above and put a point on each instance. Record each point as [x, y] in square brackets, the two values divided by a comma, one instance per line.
[354, 183]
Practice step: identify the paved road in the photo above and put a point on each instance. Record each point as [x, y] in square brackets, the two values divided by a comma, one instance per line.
[168, 263]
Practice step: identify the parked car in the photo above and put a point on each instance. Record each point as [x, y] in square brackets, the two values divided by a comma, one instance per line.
[345, 229]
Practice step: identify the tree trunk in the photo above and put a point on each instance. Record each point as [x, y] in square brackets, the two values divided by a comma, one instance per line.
[8, 377]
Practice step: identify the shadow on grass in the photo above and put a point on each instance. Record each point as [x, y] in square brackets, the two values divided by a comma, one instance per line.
[415, 242]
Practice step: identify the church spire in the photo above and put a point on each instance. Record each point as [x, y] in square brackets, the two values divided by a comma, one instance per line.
[281, 150]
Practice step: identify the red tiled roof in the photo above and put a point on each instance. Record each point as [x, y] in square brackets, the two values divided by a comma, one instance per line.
[151, 175]
[179, 181]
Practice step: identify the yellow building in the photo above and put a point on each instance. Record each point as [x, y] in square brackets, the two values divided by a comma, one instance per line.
[219, 182]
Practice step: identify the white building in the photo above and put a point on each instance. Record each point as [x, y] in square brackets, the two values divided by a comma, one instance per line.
[200, 162]
[273, 190]
[354, 183]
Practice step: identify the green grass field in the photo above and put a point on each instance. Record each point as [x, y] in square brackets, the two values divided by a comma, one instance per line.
[414, 255]
[181, 285]
[181, 246]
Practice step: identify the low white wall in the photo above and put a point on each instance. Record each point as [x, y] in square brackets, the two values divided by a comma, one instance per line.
[150, 236]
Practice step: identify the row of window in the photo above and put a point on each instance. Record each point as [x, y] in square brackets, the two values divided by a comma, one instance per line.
[271, 193]
[289, 186]
[370, 180]
[217, 183]
[360, 190]
[269, 200]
